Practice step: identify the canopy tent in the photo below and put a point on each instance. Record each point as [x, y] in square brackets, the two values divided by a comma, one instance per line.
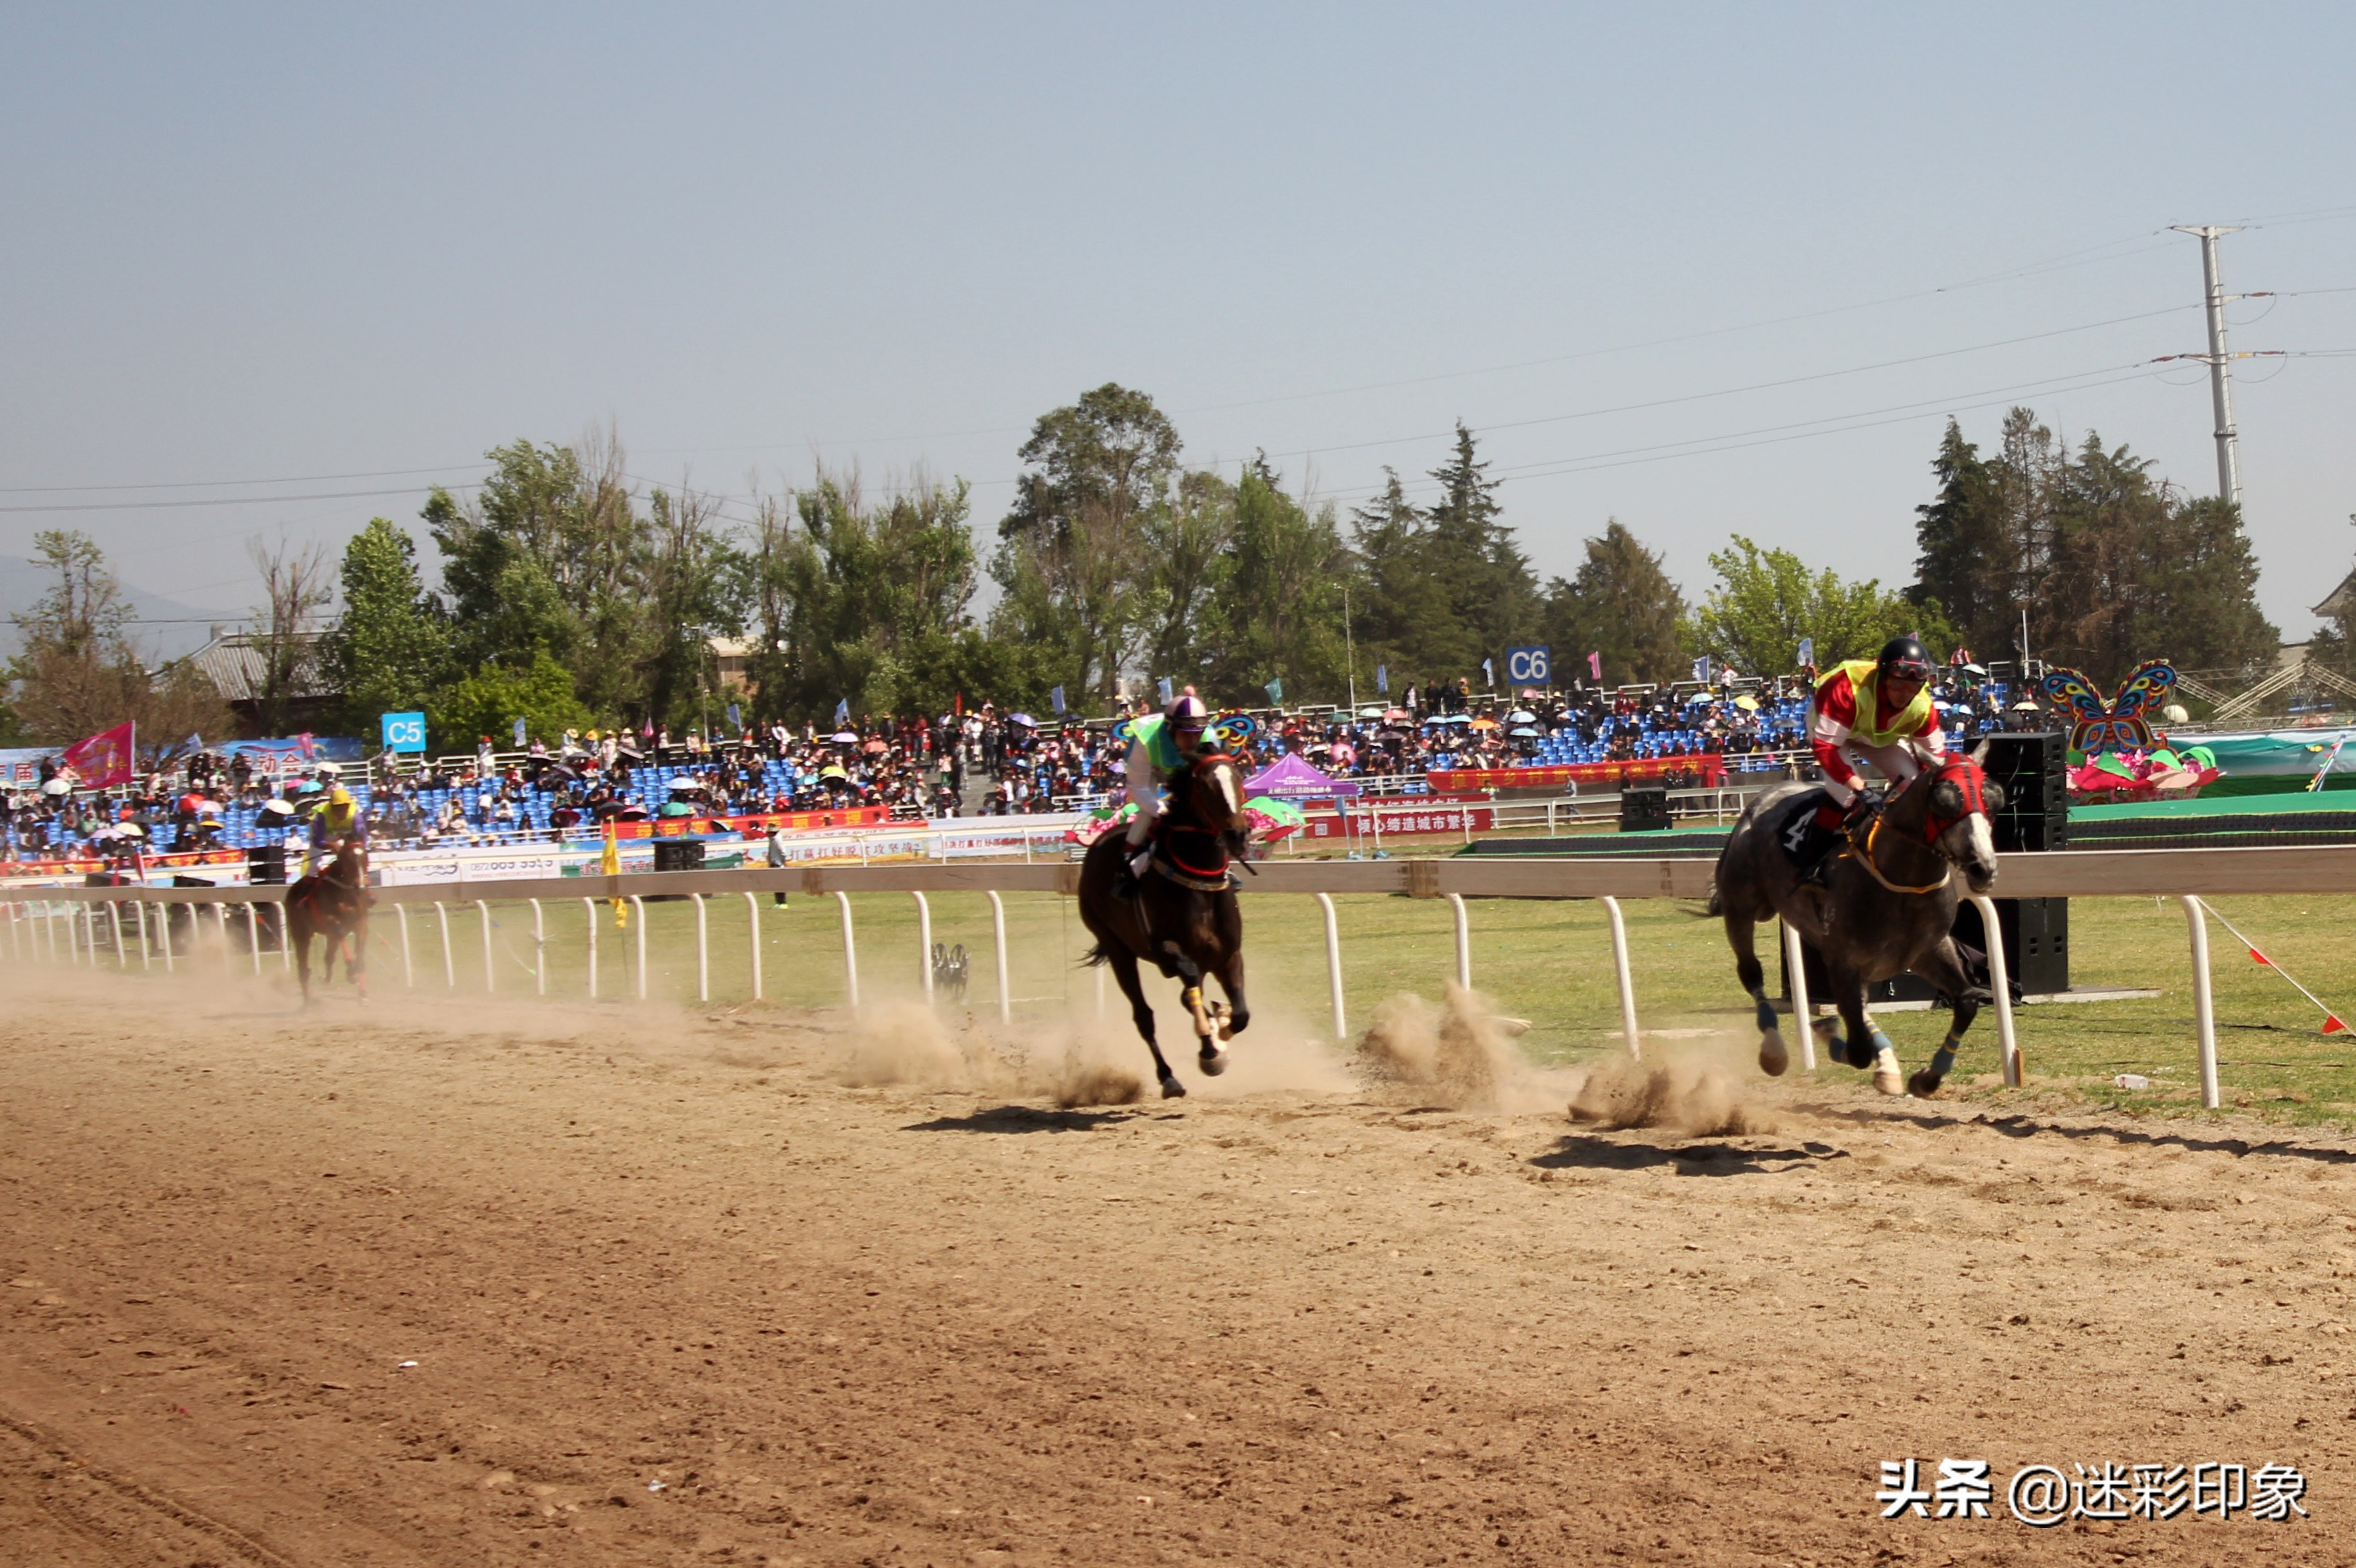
[1291, 778]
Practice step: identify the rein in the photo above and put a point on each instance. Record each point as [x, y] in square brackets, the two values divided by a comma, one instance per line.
[1967, 780]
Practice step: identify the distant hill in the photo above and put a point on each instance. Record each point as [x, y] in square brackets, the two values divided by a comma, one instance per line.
[163, 628]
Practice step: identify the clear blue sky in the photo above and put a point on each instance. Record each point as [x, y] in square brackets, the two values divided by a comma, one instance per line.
[264, 243]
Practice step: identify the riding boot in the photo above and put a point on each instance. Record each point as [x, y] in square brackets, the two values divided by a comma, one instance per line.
[1810, 841]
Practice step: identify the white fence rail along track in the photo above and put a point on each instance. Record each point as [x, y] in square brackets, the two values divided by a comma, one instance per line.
[62, 925]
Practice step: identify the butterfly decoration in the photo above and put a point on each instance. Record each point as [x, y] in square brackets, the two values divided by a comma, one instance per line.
[1226, 734]
[2117, 725]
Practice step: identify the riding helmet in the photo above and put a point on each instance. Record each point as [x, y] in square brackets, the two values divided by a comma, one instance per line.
[1906, 659]
[1186, 711]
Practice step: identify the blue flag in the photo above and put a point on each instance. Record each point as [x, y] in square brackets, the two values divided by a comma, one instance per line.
[1701, 667]
[842, 713]
[1383, 678]
[735, 717]
[1275, 689]
[1055, 699]
[1169, 694]
[1807, 651]
[518, 734]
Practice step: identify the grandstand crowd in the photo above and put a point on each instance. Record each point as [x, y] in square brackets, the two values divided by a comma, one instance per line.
[985, 761]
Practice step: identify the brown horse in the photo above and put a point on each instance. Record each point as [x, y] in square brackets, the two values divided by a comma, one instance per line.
[332, 903]
[1181, 917]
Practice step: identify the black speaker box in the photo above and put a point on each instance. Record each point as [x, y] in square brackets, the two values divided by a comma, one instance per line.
[2031, 768]
[1644, 808]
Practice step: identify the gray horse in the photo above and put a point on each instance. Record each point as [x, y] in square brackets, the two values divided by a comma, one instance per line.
[1888, 905]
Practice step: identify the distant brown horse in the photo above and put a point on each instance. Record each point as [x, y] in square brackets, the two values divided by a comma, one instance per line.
[1182, 916]
[332, 903]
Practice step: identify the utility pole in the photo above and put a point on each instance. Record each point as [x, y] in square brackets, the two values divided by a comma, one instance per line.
[2221, 384]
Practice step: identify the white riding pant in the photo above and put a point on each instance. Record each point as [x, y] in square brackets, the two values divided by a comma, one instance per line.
[1897, 763]
[1144, 793]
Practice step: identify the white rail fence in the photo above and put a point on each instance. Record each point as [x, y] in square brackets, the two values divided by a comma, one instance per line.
[64, 925]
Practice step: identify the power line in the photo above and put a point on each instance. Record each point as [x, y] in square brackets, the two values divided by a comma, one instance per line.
[224, 484]
[223, 500]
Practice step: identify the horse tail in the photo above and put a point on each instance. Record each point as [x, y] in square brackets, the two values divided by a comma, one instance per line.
[1098, 956]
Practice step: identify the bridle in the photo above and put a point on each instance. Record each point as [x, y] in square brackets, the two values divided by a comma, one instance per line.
[1970, 781]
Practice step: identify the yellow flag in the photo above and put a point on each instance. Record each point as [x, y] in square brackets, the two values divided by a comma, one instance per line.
[611, 864]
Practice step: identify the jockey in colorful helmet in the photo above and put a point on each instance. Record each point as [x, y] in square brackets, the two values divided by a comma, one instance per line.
[335, 823]
[1159, 748]
[1874, 710]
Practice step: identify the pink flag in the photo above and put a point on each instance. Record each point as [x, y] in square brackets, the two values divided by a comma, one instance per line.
[103, 759]
[1595, 665]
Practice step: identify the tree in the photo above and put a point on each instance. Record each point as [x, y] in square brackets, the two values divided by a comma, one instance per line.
[77, 672]
[1767, 600]
[294, 584]
[391, 644]
[1075, 550]
[1621, 605]
[1491, 594]
[1188, 545]
[1277, 613]
[1973, 548]
[490, 699]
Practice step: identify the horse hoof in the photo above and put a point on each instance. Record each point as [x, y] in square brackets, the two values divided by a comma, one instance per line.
[1774, 1056]
[1212, 1062]
[1172, 1089]
[1924, 1084]
[1887, 1078]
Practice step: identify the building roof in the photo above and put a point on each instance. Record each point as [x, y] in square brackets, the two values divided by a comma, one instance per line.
[234, 662]
[2340, 602]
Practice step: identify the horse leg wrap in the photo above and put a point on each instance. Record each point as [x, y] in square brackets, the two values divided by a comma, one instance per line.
[1765, 1012]
[1943, 1061]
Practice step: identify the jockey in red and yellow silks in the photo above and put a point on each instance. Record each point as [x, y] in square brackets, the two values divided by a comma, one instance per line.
[1873, 711]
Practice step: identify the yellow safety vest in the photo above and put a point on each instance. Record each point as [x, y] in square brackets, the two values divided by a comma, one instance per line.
[1862, 676]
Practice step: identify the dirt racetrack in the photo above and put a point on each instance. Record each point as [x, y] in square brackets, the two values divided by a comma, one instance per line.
[458, 1283]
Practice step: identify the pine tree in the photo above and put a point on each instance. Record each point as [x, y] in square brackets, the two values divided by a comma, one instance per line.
[1492, 596]
[390, 644]
[1969, 565]
[1621, 605]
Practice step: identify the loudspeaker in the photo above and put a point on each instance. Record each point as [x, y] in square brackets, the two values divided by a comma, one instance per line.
[265, 865]
[679, 854]
[1644, 808]
[2036, 935]
[2031, 768]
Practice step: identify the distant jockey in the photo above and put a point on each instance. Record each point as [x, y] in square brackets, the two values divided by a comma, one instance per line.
[335, 824]
[1895, 729]
[1159, 748]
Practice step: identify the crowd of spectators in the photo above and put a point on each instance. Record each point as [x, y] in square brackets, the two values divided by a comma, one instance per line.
[984, 761]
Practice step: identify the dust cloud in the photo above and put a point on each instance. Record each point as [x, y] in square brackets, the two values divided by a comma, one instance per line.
[1692, 1092]
[1457, 1052]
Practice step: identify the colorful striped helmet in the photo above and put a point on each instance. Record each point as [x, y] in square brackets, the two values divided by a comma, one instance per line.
[1186, 711]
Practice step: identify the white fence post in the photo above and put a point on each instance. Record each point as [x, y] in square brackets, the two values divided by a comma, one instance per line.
[850, 950]
[408, 970]
[591, 905]
[924, 943]
[638, 927]
[449, 959]
[490, 971]
[164, 931]
[702, 951]
[753, 928]
[538, 950]
[73, 936]
[998, 939]
[2204, 1009]
[1463, 943]
[2001, 982]
[1796, 964]
[1619, 972]
[147, 955]
[220, 920]
[1334, 967]
[252, 936]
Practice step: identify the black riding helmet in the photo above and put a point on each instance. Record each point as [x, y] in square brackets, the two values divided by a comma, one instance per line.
[1906, 659]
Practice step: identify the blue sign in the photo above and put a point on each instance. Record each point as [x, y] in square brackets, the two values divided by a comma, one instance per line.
[404, 731]
[1529, 666]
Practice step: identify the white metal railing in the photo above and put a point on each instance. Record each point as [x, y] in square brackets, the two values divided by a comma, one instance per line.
[33, 916]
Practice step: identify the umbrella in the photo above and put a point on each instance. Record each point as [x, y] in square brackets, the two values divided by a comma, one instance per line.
[1372, 711]
[57, 786]
[843, 738]
[1484, 723]
[1524, 731]
[283, 808]
[1522, 716]
[2024, 706]
[1396, 716]
[878, 746]
[1022, 719]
